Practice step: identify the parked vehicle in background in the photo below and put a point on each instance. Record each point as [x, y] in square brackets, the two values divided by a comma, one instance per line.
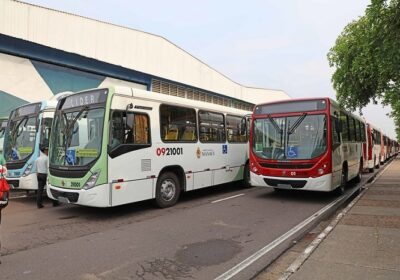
[383, 148]
[3, 126]
[305, 144]
[120, 145]
[374, 150]
[28, 129]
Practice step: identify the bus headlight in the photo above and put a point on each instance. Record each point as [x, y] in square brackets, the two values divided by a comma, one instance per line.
[27, 170]
[322, 169]
[91, 182]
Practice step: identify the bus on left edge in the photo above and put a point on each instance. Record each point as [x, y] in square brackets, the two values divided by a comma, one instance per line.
[28, 129]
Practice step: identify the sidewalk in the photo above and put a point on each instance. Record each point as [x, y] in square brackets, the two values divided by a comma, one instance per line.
[365, 244]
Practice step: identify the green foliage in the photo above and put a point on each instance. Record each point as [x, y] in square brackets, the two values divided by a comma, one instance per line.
[366, 56]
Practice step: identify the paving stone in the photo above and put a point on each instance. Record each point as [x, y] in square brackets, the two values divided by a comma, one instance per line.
[333, 271]
[379, 203]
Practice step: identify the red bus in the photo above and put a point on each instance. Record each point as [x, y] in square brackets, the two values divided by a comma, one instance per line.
[384, 141]
[374, 149]
[305, 144]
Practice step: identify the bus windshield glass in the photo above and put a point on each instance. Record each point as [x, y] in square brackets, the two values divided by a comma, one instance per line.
[78, 130]
[21, 135]
[3, 126]
[290, 138]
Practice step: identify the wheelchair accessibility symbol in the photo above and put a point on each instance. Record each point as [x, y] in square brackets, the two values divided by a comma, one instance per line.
[292, 152]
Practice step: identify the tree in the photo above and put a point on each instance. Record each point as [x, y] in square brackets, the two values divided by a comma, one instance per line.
[366, 56]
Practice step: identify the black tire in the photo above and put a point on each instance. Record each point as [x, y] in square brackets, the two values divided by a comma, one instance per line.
[358, 177]
[371, 170]
[246, 176]
[377, 165]
[168, 190]
[343, 183]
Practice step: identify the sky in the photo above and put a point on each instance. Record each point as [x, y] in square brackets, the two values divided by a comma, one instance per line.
[257, 43]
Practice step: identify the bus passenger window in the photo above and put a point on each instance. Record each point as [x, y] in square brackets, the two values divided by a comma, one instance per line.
[345, 127]
[233, 128]
[131, 129]
[178, 124]
[212, 127]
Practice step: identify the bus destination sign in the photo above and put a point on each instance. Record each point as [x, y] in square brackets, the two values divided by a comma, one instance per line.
[85, 99]
[26, 110]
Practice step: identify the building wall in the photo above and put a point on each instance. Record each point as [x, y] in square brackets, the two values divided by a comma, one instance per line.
[120, 46]
[24, 81]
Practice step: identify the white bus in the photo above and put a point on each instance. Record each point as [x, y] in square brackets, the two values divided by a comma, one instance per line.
[3, 126]
[120, 145]
[27, 130]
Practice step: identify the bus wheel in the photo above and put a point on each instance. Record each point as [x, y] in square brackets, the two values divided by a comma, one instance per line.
[246, 176]
[343, 182]
[167, 190]
[371, 170]
[357, 179]
[376, 164]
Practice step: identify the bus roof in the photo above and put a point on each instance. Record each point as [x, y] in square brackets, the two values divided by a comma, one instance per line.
[173, 100]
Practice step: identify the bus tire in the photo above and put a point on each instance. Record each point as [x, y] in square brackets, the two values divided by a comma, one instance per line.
[376, 164]
[371, 170]
[167, 190]
[246, 176]
[357, 179]
[343, 183]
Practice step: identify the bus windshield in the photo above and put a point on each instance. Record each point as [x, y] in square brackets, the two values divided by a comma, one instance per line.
[290, 138]
[3, 126]
[20, 139]
[77, 136]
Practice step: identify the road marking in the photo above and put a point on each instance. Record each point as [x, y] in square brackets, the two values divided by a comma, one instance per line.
[253, 258]
[226, 198]
[21, 196]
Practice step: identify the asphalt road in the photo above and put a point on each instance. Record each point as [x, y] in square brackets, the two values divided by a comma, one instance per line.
[200, 238]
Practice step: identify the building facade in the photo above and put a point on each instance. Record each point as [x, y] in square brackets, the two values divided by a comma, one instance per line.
[44, 52]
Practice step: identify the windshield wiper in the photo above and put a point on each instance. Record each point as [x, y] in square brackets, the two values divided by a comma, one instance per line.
[297, 123]
[276, 126]
[69, 127]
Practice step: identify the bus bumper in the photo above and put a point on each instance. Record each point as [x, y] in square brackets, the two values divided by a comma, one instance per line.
[322, 184]
[28, 182]
[97, 196]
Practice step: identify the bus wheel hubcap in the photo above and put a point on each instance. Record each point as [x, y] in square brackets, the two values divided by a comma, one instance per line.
[168, 190]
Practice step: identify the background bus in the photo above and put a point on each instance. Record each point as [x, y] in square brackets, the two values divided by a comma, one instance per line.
[3, 126]
[120, 145]
[308, 144]
[374, 150]
[28, 129]
[383, 148]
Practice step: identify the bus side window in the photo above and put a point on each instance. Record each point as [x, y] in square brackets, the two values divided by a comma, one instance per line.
[345, 127]
[335, 133]
[178, 124]
[116, 129]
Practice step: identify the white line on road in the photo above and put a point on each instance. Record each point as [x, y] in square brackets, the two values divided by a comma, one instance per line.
[226, 198]
[253, 258]
[21, 196]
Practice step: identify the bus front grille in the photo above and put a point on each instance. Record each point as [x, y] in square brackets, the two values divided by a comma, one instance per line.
[72, 196]
[287, 166]
[295, 184]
